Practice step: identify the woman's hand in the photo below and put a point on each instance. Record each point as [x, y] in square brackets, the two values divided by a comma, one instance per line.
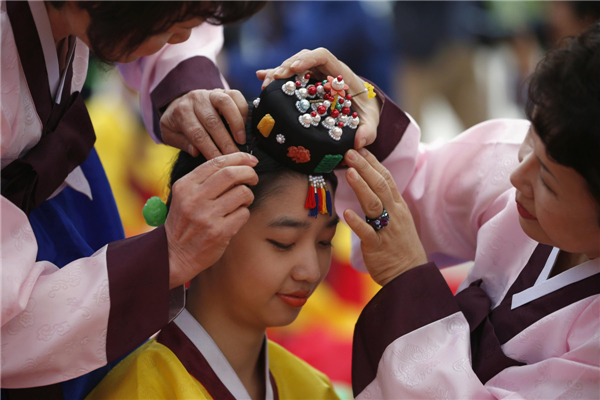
[209, 206]
[322, 63]
[391, 251]
[193, 122]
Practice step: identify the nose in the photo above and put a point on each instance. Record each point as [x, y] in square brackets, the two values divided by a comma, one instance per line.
[307, 268]
[180, 37]
[522, 177]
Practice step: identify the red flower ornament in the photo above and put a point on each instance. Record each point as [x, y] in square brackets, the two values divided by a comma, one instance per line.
[299, 154]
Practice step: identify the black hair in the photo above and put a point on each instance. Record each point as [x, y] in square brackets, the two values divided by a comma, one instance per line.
[272, 174]
[564, 106]
[129, 23]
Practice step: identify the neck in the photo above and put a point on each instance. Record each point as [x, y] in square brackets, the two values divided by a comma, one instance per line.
[240, 344]
[59, 21]
[566, 261]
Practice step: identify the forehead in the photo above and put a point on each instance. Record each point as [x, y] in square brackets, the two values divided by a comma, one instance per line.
[289, 200]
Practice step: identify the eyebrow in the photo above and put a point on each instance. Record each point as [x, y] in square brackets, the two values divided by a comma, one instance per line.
[287, 222]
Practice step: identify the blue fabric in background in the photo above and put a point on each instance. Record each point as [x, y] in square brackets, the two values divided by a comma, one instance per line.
[71, 226]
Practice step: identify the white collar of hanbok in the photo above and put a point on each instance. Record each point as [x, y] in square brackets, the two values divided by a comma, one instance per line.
[42, 24]
[216, 359]
[544, 286]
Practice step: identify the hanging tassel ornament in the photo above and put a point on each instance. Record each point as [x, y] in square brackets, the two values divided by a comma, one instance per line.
[328, 195]
[323, 205]
[318, 198]
[312, 198]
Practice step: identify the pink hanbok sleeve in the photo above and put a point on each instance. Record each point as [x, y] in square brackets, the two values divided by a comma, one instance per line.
[413, 341]
[58, 324]
[174, 71]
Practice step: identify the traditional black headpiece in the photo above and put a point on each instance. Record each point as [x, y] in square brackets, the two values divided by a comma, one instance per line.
[307, 125]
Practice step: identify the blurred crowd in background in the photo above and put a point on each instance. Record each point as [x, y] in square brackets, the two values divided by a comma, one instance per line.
[449, 64]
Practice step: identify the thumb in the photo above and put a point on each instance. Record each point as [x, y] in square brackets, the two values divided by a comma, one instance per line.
[365, 134]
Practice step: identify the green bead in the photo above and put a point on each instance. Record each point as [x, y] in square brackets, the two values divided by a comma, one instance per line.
[155, 211]
[324, 82]
[338, 106]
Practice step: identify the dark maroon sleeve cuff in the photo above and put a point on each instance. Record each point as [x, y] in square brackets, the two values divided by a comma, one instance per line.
[194, 73]
[414, 299]
[138, 275]
[392, 125]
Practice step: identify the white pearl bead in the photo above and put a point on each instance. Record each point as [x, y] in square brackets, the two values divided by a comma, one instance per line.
[347, 103]
[289, 85]
[337, 131]
[327, 103]
[337, 85]
[303, 92]
[307, 118]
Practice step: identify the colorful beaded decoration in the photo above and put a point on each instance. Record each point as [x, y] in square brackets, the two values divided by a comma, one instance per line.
[331, 106]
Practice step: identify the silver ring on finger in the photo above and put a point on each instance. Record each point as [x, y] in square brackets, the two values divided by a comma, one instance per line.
[380, 222]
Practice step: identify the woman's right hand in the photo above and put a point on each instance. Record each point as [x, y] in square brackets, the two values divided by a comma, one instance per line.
[391, 251]
[208, 207]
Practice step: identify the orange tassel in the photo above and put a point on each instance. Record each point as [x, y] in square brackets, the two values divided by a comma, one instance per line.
[322, 203]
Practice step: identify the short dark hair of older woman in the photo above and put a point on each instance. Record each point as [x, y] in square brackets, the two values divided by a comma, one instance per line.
[129, 23]
[564, 106]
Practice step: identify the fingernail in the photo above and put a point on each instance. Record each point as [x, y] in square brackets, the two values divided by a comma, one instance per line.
[253, 158]
[279, 71]
[352, 156]
[295, 64]
[190, 150]
[266, 82]
[362, 143]
[363, 152]
[241, 137]
[352, 174]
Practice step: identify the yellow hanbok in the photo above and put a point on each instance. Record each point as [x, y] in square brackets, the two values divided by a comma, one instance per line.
[183, 362]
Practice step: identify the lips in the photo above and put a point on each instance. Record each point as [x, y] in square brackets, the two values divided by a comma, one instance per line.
[295, 299]
[524, 213]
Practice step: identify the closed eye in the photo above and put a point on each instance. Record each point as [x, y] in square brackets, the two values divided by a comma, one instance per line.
[280, 246]
[546, 185]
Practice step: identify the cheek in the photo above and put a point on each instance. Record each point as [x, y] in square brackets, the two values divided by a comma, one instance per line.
[150, 46]
[324, 263]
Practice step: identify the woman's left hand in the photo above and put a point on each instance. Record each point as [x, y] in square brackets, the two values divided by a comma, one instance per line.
[322, 63]
[397, 248]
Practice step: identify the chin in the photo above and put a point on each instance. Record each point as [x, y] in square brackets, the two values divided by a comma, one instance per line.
[533, 229]
[281, 318]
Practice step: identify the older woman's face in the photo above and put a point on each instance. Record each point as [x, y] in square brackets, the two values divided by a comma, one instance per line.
[554, 202]
[178, 33]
